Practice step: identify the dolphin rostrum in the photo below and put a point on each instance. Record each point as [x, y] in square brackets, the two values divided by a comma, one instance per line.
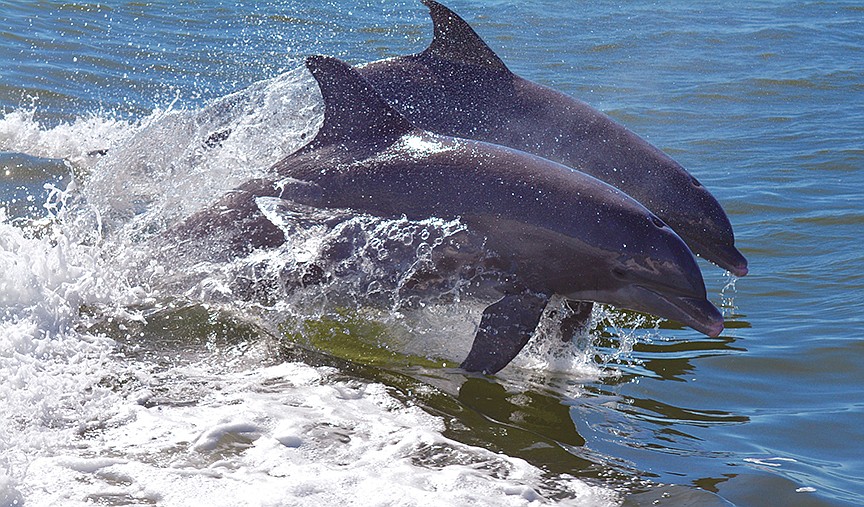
[459, 87]
[548, 230]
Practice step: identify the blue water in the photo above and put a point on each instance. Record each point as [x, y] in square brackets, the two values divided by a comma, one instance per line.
[763, 102]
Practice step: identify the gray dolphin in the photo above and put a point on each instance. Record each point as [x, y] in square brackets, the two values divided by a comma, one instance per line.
[459, 87]
[548, 230]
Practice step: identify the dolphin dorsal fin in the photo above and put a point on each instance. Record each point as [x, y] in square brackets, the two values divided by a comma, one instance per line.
[455, 40]
[354, 113]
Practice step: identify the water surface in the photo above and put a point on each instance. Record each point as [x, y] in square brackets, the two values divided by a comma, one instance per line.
[761, 102]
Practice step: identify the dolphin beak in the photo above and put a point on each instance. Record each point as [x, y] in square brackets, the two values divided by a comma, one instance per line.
[697, 313]
[733, 261]
[726, 256]
[740, 269]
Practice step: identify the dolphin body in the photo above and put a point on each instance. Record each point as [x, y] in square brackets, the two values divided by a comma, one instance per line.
[459, 87]
[548, 230]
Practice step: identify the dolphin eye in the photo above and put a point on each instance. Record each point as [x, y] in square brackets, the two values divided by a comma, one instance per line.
[695, 182]
[657, 222]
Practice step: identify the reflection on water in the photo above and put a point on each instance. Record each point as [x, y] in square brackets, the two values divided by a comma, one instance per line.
[529, 410]
[669, 359]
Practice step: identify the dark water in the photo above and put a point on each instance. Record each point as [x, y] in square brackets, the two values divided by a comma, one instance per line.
[763, 103]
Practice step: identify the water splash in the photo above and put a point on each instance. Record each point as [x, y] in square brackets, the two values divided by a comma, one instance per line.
[727, 295]
[178, 161]
[74, 141]
[549, 350]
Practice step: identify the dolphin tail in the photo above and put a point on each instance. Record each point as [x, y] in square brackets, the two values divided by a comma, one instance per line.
[354, 113]
[455, 40]
[505, 328]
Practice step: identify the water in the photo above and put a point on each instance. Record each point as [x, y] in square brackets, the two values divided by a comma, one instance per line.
[127, 380]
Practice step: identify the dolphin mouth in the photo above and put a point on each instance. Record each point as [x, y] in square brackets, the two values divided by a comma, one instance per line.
[698, 313]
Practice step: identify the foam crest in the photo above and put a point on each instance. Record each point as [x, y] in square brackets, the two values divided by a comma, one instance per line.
[21, 132]
[47, 279]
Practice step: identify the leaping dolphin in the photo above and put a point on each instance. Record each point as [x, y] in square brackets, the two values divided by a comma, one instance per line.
[551, 230]
[459, 87]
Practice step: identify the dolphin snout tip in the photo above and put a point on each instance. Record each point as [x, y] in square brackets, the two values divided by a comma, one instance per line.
[725, 256]
[740, 270]
[704, 316]
[714, 329]
[735, 263]
[712, 321]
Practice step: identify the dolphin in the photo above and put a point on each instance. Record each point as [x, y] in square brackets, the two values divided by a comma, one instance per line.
[546, 230]
[459, 87]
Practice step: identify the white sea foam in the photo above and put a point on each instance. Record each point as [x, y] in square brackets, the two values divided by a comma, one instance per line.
[88, 419]
[21, 132]
[49, 373]
[281, 436]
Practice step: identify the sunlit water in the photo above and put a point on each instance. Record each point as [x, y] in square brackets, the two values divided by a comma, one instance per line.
[127, 378]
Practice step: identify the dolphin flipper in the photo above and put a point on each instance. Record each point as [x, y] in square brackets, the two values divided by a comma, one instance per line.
[505, 328]
[576, 319]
